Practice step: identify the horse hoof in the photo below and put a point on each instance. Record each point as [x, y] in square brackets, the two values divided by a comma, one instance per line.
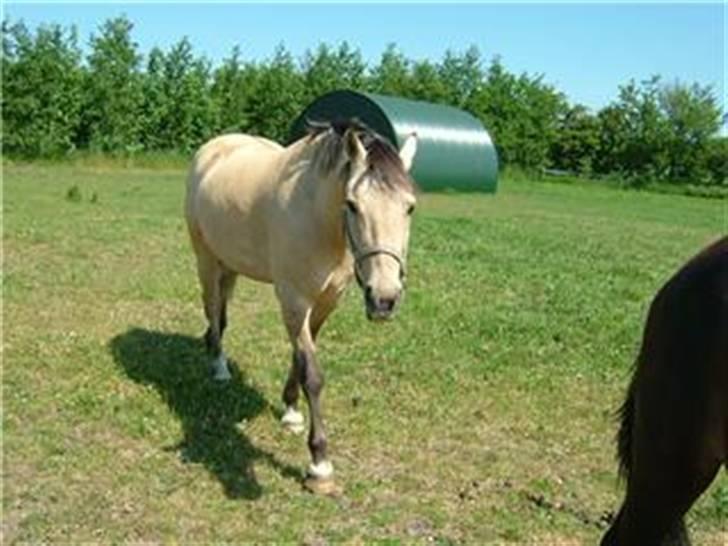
[322, 486]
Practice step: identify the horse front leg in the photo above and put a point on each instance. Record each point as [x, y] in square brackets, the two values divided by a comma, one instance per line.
[319, 477]
[306, 374]
[292, 418]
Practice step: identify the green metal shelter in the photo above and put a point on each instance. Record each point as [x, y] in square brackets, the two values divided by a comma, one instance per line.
[453, 150]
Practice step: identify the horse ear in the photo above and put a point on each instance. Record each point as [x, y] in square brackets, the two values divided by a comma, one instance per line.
[408, 151]
[355, 151]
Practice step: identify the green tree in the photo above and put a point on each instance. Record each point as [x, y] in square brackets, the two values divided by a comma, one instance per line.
[179, 110]
[576, 145]
[427, 84]
[693, 117]
[716, 160]
[327, 70]
[538, 129]
[113, 90]
[613, 139]
[232, 86]
[636, 133]
[155, 106]
[495, 104]
[278, 97]
[41, 90]
[522, 112]
[462, 75]
[392, 75]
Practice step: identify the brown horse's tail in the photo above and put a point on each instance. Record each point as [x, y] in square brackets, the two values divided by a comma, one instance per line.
[624, 436]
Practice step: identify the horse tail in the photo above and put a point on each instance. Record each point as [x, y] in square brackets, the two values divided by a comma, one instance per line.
[626, 415]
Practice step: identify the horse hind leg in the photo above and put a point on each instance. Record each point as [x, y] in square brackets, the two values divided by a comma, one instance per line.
[227, 285]
[677, 535]
[661, 488]
[292, 418]
[213, 282]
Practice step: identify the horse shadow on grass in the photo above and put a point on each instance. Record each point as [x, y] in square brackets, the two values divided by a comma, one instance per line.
[208, 410]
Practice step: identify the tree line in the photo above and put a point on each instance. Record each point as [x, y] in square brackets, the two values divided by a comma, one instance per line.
[115, 100]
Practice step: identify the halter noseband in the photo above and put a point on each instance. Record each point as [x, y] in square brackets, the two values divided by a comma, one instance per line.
[362, 254]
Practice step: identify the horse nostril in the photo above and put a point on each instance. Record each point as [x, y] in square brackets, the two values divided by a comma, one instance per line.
[387, 304]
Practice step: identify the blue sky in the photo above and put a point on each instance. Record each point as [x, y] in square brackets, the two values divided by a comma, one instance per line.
[586, 50]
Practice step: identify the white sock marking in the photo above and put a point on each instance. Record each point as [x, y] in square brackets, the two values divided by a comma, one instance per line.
[292, 416]
[321, 471]
[220, 368]
[293, 420]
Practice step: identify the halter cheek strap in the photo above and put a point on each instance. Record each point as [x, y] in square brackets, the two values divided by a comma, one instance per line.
[361, 254]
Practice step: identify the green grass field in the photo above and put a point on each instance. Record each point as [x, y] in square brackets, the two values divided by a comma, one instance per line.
[482, 415]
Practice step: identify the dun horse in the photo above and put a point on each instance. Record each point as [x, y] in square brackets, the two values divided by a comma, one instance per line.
[306, 218]
[673, 437]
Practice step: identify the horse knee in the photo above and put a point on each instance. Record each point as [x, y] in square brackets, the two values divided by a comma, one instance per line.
[309, 375]
[313, 383]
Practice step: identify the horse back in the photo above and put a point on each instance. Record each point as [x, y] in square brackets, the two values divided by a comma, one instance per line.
[231, 148]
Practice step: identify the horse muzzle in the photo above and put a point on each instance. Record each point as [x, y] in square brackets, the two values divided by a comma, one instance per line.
[379, 308]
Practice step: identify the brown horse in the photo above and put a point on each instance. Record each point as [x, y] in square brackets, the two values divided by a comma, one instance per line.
[306, 218]
[673, 437]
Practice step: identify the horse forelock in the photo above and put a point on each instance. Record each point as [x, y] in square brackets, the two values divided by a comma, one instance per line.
[384, 166]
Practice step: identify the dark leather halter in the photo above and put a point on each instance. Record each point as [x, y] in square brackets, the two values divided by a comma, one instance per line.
[361, 254]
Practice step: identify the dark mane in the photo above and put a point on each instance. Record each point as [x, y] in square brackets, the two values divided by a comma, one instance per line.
[383, 162]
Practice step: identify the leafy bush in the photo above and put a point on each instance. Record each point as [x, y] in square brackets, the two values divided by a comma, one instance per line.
[120, 103]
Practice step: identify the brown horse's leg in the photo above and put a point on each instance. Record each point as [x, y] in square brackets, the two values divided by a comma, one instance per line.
[672, 466]
[227, 284]
[297, 314]
[312, 381]
[625, 532]
[655, 517]
[292, 418]
[211, 275]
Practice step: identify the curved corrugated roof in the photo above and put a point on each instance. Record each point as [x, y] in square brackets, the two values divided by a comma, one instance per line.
[454, 149]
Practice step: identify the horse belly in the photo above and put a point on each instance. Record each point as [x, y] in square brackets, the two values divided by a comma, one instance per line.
[247, 262]
[240, 246]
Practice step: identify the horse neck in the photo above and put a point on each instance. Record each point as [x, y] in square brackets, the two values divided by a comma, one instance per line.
[326, 195]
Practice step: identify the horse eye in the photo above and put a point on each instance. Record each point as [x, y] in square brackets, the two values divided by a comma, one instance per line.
[352, 207]
[410, 209]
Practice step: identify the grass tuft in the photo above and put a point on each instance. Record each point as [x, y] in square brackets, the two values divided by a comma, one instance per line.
[73, 194]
